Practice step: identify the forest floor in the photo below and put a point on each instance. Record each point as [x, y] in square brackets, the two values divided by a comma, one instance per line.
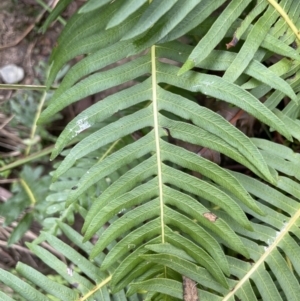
[22, 44]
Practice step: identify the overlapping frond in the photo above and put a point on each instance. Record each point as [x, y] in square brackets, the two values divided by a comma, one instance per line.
[273, 269]
[82, 278]
[55, 202]
[171, 212]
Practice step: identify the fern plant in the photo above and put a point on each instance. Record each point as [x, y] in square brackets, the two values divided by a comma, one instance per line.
[171, 220]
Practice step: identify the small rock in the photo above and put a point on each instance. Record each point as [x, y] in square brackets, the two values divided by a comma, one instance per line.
[11, 74]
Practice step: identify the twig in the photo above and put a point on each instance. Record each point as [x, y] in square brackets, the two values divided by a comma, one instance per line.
[237, 116]
[6, 181]
[7, 121]
[30, 235]
[25, 33]
[16, 247]
[25, 87]
[33, 236]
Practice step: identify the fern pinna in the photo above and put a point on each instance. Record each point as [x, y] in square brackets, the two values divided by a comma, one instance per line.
[170, 213]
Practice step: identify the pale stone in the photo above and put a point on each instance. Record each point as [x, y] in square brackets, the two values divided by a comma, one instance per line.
[11, 74]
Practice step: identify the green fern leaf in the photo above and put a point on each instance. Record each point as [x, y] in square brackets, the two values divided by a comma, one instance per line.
[254, 39]
[215, 34]
[148, 192]
[127, 9]
[4, 297]
[154, 12]
[59, 8]
[156, 210]
[21, 287]
[57, 290]
[92, 5]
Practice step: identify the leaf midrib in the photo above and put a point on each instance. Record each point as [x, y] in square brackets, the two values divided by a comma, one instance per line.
[157, 139]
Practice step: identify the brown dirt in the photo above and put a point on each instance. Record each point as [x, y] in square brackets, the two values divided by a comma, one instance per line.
[22, 44]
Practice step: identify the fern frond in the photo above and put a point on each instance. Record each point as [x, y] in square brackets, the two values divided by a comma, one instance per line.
[215, 33]
[255, 38]
[86, 281]
[276, 233]
[170, 212]
[154, 194]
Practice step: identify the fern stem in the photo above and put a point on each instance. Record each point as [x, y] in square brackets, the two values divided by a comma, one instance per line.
[268, 251]
[109, 150]
[96, 288]
[157, 138]
[28, 191]
[37, 115]
[24, 87]
[285, 17]
[27, 159]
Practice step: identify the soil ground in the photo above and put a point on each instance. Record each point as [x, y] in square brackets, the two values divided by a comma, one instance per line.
[22, 44]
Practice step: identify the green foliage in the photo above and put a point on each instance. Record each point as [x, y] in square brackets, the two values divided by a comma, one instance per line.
[237, 236]
[27, 201]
